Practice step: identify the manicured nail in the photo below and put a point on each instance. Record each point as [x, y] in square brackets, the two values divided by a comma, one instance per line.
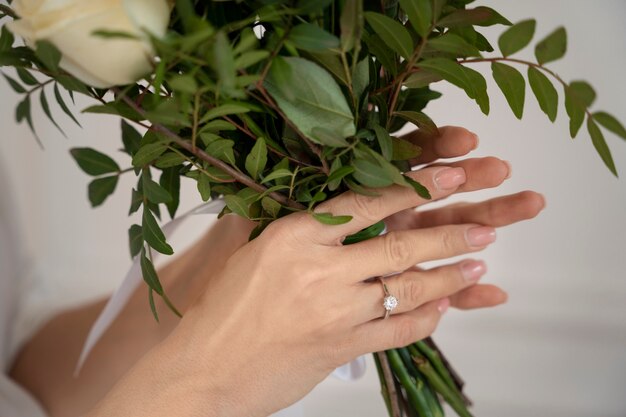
[477, 140]
[443, 305]
[508, 164]
[450, 178]
[473, 270]
[481, 236]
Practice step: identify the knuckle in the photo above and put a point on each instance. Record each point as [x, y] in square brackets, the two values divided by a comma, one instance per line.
[397, 250]
[405, 333]
[367, 207]
[412, 290]
[449, 241]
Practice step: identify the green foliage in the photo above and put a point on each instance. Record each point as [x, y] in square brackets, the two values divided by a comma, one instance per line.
[281, 122]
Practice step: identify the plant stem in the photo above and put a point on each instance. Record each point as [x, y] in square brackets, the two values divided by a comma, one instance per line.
[239, 176]
[528, 63]
[400, 79]
[451, 397]
[391, 388]
[8, 11]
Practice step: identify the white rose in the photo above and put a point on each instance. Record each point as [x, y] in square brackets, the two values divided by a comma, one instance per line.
[95, 60]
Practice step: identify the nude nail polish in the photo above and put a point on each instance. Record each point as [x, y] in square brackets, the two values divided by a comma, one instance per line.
[473, 270]
[443, 305]
[448, 178]
[481, 236]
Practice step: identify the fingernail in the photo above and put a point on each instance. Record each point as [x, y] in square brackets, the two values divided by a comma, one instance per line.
[508, 164]
[443, 305]
[473, 270]
[476, 141]
[449, 178]
[481, 236]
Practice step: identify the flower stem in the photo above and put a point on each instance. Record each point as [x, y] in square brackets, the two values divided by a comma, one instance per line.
[239, 176]
[8, 11]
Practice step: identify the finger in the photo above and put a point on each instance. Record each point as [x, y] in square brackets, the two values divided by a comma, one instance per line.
[400, 330]
[452, 141]
[497, 212]
[401, 249]
[413, 289]
[479, 296]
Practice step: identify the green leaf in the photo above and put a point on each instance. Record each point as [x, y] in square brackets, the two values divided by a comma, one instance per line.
[153, 234]
[148, 153]
[469, 80]
[553, 47]
[579, 95]
[170, 181]
[135, 240]
[403, 150]
[359, 189]
[154, 192]
[224, 61]
[94, 162]
[479, 85]
[517, 37]
[421, 78]
[247, 59]
[271, 206]
[223, 110]
[351, 24]
[153, 308]
[16, 86]
[6, 39]
[237, 205]
[279, 173]
[421, 120]
[384, 141]
[453, 44]
[26, 76]
[49, 55]
[313, 95]
[184, 83]
[361, 77]
[204, 186]
[479, 16]
[371, 174]
[328, 218]
[311, 37]
[419, 188]
[169, 159]
[257, 158]
[420, 14]
[512, 84]
[611, 123]
[337, 173]
[61, 102]
[328, 137]
[544, 91]
[600, 144]
[150, 275]
[43, 100]
[131, 138]
[100, 188]
[392, 32]
[222, 149]
[582, 93]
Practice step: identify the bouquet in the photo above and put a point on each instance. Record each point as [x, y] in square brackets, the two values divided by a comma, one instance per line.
[276, 106]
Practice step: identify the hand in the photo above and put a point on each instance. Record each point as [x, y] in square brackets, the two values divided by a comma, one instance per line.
[502, 211]
[290, 306]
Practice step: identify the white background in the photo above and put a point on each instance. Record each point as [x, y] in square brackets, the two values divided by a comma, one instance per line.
[558, 348]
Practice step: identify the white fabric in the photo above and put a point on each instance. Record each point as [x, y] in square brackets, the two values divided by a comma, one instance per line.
[14, 401]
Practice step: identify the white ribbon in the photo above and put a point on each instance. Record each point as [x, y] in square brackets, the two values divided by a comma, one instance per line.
[348, 372]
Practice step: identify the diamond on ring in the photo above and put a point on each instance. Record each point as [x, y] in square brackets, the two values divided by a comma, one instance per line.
[389, 302]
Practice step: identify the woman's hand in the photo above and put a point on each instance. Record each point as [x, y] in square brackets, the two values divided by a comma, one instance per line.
[290, 306]
[455, 142]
